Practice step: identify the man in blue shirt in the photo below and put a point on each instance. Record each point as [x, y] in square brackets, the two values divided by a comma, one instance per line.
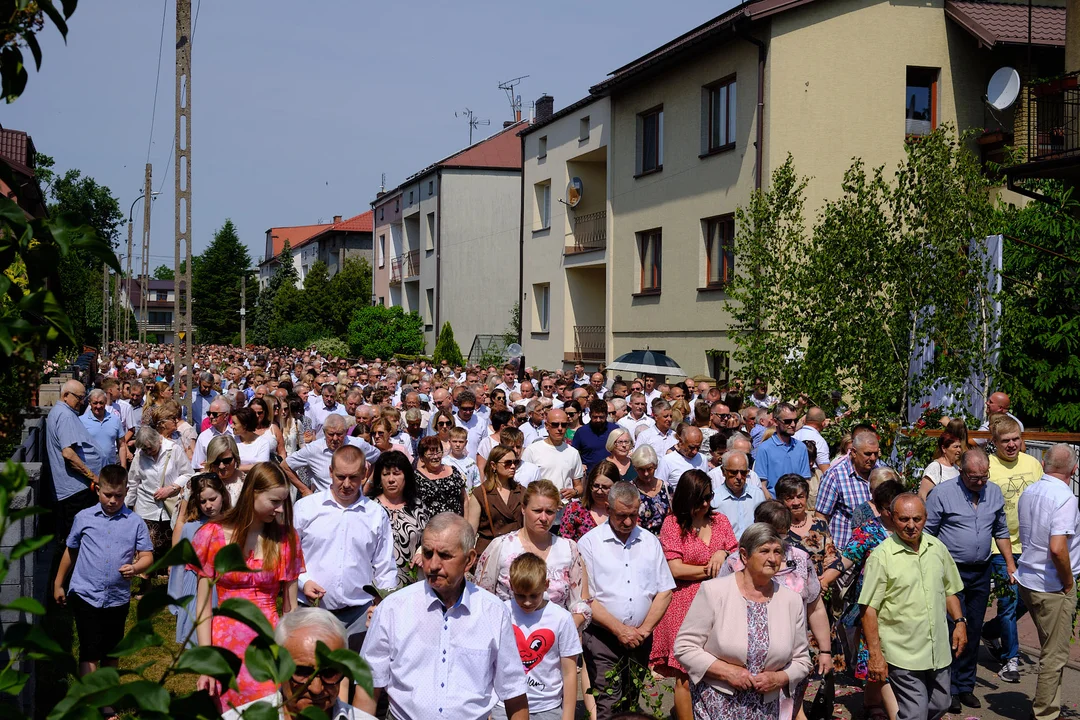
[74, 462]
[967, 514]
[591, 440]
[105, 429]
[200, 401]
[782, 454]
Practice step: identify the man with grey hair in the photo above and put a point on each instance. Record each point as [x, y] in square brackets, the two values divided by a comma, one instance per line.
[74, 460]
[631, 586]
[734, 494]
[106, 430]
[533, 429]
[219, 425]
[300, 632]
[659, 434]
[686, 455]
[1048, 567]
[637, 416]
[444, 647]
[741, 441]
[315, 457]
[203, 397]
[846, 485]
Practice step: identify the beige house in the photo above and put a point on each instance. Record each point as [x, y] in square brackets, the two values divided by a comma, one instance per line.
[693, 127]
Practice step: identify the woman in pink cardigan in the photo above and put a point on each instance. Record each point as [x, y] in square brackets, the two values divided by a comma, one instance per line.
[744, 638]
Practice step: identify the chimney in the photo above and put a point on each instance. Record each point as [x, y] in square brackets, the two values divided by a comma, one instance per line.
[508, 123]
[337, 219]
[545, 107]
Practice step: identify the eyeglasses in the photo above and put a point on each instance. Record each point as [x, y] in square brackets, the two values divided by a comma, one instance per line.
[556, 424]
[789, 421]
[223, 460]
[466, 409]
[443, 424]
[212, 414]
[329, 676]
[601, 488]
[728, 471]
[510, 463]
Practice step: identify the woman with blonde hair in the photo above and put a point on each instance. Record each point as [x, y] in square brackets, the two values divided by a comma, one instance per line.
[223, 459]
[261, 524]
[619, 446]
[157, 393]
[495, 507]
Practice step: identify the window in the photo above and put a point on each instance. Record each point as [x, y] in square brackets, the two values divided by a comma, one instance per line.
[651, 141]
[650, 249]
[542, 191]
[382, 300]
[542, 307]
[381, 215]
[583, 129]
[430, 187]
[161, 296]
[382, 250]
[720, 114]
[541, 152]
[719, 250]
[921, 101]
[429, 304]
[430, 240]
[397, 204]
[410, 197]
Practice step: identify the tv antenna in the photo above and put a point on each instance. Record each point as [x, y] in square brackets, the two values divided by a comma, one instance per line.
[515, 100]
[474, 121]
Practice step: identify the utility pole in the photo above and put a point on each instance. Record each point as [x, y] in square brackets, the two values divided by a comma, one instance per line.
[105, 306]
[182, 177]
[127, 275]
[117, 314]
[243, 310]
[144, 278]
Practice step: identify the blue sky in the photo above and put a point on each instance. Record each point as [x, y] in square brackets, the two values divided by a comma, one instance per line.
[298, 108]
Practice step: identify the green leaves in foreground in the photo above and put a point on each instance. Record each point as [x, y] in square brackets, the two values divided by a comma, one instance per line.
[347, 661]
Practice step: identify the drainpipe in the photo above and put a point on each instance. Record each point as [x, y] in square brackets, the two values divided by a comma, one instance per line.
[438, 253]
[521, 248]
[760, 144]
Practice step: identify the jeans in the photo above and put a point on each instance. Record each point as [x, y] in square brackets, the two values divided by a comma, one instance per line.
[976, 579]
[1010, 609]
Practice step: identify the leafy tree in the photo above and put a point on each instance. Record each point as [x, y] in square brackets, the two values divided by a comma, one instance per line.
[215, 286]
[318, 299]
[351, 289]
[284, 276]
[331, 347]
[446, 347]
[1040, 298]
[297, 335]
[382, 331]
[164, 272]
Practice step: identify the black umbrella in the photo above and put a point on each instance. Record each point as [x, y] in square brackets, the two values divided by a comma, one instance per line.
[647, 362]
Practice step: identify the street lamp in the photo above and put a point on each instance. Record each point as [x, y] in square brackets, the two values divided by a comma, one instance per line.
[131, 210]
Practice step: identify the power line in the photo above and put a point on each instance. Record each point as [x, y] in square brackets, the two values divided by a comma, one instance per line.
[172, 145]
[157, 80]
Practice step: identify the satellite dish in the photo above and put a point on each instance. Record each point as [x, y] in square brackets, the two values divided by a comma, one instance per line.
[513, 350]
[574, 188]
[1003, 89]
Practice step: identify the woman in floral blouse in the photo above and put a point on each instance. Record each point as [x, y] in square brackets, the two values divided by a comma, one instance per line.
[655, 496]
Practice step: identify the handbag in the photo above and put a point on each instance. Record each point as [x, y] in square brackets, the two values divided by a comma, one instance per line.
[822, 707]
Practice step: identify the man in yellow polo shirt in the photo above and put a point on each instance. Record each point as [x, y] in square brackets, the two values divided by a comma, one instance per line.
[911, 582]
[1013, 471]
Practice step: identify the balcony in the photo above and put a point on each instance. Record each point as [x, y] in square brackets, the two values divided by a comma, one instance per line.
[404, 267]
[1049, 131]
[590, 233]
[589, 344]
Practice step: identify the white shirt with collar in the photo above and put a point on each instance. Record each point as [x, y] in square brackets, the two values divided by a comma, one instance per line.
[345, 548]
[468, 657]
[625, 577]
[198, 456]
[672, 466]
[477, 428]
[147, 474]
[319, 412]
[649, 397]
[314, 456]
[532, 433]
[509, 389]
[628, 423]
[340, 711]
[660, 442]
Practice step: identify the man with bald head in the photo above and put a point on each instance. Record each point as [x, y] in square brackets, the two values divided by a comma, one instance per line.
[559, 463]
[910, 584]
[811, 430]
[74, 461]
[218, 414]
[686, 455]
[1047, 570]
[998, 404]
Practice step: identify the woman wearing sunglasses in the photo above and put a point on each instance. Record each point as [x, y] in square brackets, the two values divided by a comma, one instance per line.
[495, 507]
[442, 423]
[223, 459]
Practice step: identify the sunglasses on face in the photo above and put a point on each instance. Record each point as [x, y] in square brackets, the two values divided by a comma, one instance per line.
[443, 424]
[556, 424]
[224, 460]
[510, 463]
[213, 414]
[329, 676]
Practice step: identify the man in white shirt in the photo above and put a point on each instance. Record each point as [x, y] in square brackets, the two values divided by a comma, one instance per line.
[597, 380]
[631, 586]
[219, 425]
[316, 456]
[547, 390]
[444, 648]
[1048, 567]
[300, 632]
[509, 385]
[534, 429]
[559, 463]
[660, 436]
[651, 393]
[347, 544]
[328, 406]
[466, 417]
[580, 379]
[686, 456]
[637, 416]
[811, 430]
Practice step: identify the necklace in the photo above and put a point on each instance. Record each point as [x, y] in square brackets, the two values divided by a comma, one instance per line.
[805, 520]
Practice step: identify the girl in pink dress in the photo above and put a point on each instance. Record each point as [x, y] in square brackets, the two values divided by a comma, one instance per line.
[261, 524]
[696, 541]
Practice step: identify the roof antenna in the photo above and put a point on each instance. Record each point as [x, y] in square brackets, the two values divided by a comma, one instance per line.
[474, 122]
[515, 100]
[382, 184]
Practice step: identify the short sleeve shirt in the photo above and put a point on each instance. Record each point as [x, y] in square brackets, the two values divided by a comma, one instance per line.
[105, 542]
[63, 429]
[1013, 479]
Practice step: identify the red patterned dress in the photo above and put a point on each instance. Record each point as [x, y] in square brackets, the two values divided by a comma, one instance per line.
[687, 547]
[261, 588]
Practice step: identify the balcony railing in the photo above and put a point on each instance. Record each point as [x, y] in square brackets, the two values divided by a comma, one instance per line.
[589, 343]
[404, 267]
[590, 233]
[395, 271]
[1053, 119]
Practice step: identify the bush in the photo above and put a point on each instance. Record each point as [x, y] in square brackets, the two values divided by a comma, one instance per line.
[295, 334]
[382, 331]
[331, 347]
[446, 347]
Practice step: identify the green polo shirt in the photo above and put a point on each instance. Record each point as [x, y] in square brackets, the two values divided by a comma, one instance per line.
[908, 590]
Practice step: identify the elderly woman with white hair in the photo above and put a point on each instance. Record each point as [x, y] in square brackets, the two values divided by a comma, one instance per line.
[619, 446]
[655, 495]
[157, 474]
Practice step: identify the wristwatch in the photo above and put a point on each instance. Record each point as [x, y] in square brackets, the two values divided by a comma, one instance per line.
[961, 619]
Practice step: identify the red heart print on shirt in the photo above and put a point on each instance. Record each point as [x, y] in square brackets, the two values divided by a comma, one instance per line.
[535, 647]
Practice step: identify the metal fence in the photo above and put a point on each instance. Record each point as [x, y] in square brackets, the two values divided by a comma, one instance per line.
[1053, 118]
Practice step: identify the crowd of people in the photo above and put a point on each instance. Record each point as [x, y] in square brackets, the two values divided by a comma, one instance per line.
[495, 541]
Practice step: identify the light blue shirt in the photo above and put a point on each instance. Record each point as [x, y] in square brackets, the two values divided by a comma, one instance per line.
[105, 542]
[739, 509]
[63, 429]
[105, 434]
[776, 458]
[199, 405]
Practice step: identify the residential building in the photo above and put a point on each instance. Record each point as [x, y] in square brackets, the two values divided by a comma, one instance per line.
[697, 124]
[332, 243]
[564, 234]
[446, 240]
[160, 303]
[18, 151]
[276, 237]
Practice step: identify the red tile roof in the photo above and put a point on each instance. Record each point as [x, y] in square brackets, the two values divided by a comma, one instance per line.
[295, 235]
[501, 150]
[362, 223]
[16, 147]
[997, 23]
